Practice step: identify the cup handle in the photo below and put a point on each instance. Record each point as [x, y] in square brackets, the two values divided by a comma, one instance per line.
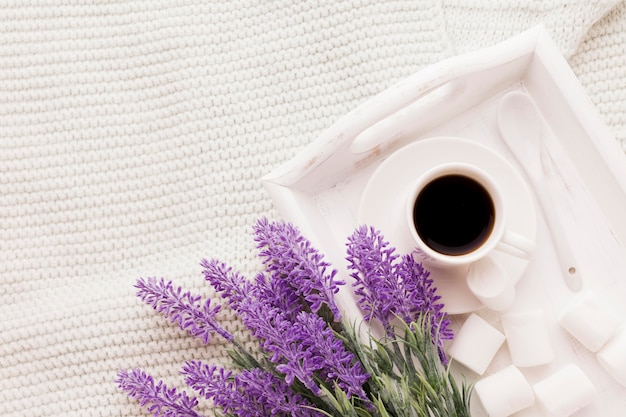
[516, 245]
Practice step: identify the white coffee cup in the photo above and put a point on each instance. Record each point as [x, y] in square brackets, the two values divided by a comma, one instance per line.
[456, 216]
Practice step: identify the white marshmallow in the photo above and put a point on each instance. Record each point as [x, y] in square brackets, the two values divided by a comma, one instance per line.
[505, 392]
[588, 320]
[475, 344]
[528, 338]
[612, 357]
[565, 392]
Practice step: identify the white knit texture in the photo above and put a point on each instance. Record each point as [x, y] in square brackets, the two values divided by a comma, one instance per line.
[477, 24]
[133, 135]
[600, 64]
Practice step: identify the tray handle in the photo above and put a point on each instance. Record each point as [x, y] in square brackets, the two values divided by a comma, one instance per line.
[408, 119]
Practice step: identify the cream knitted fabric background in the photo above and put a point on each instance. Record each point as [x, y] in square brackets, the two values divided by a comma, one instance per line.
[133, 135]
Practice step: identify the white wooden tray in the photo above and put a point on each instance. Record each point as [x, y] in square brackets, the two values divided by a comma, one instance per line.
[320, 189]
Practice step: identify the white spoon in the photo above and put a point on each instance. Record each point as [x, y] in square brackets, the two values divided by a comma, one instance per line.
[521, 128]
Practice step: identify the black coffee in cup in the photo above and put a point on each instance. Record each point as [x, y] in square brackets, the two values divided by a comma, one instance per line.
[453, 214]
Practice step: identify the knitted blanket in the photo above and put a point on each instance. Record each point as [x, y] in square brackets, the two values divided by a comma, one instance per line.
[133, 135]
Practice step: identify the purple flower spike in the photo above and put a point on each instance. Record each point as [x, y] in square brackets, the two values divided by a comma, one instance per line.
[159, 400]
[233, 286]
[185, 309]
[278, 398]
[276, 333]
[251, 393]
[210, 382]
[278, 295]
[301, 345]
[312, 333]
[389, 285]
[292, 261]
[372, 260]
[421, 298]
[270, 324]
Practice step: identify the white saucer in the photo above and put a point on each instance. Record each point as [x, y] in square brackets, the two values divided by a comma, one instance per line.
[382, 206]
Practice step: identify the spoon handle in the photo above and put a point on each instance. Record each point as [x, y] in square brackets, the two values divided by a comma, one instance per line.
[521, 128]
[569, 267]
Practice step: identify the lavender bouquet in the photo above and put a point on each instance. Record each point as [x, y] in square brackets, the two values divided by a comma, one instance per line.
[310, 360]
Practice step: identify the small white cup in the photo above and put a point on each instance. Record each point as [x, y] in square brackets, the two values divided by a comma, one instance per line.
[490, 283]
[494, 236]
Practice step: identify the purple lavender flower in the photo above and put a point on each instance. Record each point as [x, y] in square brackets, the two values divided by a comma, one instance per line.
[278, 295]
[187, 310]
[159, 400]
[288, 352]
[337, 364]
[372, 260]
[281, 307]
[300, 345]
[292, 261]
[250, 393]
[389, 285]
[421, 298]
[270, 324]
[233, 286]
